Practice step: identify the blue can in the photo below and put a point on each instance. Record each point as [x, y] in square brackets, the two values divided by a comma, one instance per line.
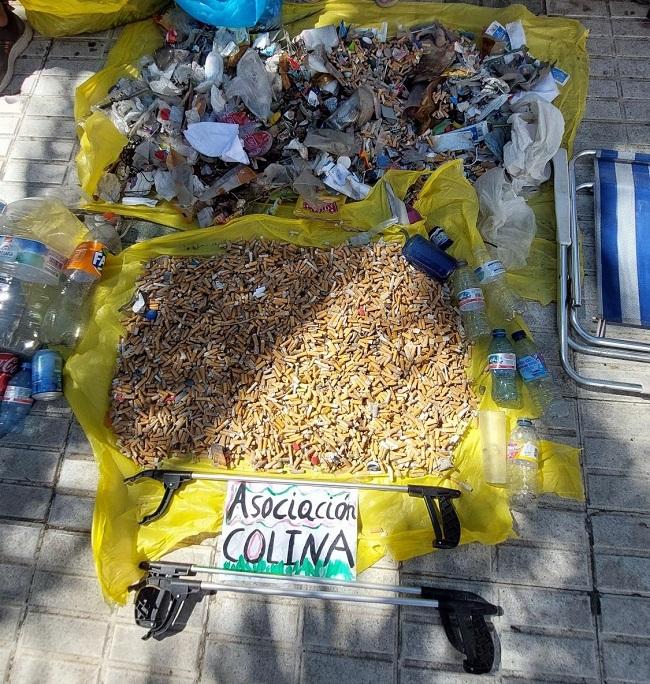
[429, 258]
[47, 379]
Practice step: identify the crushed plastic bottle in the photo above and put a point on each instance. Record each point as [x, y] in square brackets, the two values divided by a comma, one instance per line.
[491, 276]
[536, 376]
[67, 315]
[502, 366]
[17, 401]
[36, 238]
[523, 464]
[471, 303]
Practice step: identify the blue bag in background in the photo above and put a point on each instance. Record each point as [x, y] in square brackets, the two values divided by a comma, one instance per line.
[233, 13]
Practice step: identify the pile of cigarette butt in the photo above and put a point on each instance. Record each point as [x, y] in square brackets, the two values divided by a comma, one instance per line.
[293, 359]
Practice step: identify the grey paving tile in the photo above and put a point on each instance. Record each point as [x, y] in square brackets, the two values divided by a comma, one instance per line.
[630, 27]
[63, 635]
[319, 668]
[625, 8]
[72, 512]
[72, 68]
[5, 658]
[28, 465]
[68, 592]
[597, 26]
[622, 574]
[40, 432]
[470, 561]
[80, 475]
[18, 542]
[632, 91]
[630, 67]
[559, 528]
[620, 532]
[9, 619]
[28, 503]
[26, 65]
[49, 105]
[615, 420]
[66, 552]
[55, 150]
[594, 135]
[5, 143]
[625, 615]
[116, 675]
[34, 172]
[15, 582]
[626, 661]
[600, 45]
[27, 669]
[530, 655]
[603, 67]
[542, 567]
[77, 48]
[77, 441]
[357, 630]
[53, 128]
[603, 110]
[632, 47]
[577, 8]
[248, 662]
[271, 620]
[9, 123]
[546, 608]
[156, 656]
[616, 493]
[426, 675]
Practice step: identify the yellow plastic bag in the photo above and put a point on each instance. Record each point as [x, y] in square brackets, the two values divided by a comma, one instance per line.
[56, 18]
[562, 41]
[389, 523]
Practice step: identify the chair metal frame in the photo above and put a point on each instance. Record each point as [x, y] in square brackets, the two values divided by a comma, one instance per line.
[569, 295]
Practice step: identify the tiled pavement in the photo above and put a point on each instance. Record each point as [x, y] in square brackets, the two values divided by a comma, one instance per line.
[575, 586]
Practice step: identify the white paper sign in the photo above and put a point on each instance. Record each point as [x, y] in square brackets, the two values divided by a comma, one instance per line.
[285, 529]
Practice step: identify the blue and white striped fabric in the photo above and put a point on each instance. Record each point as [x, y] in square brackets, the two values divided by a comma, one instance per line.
[622, 194]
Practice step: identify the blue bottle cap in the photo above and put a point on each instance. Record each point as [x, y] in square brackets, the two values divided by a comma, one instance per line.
[498, 332]
[518, 335]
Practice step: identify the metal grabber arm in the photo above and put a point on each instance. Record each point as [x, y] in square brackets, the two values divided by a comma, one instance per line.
[438, 500]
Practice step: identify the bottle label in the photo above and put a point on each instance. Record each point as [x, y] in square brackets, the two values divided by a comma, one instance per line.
[18, 395]
[532, 367]
[89, 257]
[440, 238]
[502, 361]
[18, 251]
[471, 299]
[525, 452]
[489, 271]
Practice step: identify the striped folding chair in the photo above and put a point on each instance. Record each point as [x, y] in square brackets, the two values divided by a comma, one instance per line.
[621, 191]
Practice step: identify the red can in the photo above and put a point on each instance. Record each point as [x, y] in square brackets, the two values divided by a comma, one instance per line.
[8, 366]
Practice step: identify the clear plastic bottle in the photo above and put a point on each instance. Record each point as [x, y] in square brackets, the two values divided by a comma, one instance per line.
[502, 365]
[67, 315]
[471, 303]
[491, 276]
[12, 303]
[536, 375]
[17, 401]
[523, 464]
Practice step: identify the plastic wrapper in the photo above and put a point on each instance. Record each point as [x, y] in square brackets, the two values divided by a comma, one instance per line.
[537, 132]
[252, 85]
[506, 220]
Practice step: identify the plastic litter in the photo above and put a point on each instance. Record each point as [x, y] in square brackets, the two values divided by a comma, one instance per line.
[506, 221]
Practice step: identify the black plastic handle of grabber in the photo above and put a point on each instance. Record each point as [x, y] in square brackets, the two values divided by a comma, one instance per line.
[446, 525]
[172, 480]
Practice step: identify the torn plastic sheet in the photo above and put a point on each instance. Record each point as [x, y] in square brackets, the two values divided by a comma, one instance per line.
[327, 36]
[330, 140]
[252, 85]
[339, 178]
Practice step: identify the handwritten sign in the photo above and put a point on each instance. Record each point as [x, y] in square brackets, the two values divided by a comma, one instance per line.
[290, 530]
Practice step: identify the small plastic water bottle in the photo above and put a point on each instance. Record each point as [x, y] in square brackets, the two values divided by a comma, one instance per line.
[502, 366]
[17, 401]
[491, 276]
[523, 464]
[537, 377]
[470, 301]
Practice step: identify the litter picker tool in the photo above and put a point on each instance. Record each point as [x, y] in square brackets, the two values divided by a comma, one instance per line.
[438, 500]
[165, 593]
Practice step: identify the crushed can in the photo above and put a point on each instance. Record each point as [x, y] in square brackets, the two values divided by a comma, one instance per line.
[47, 375]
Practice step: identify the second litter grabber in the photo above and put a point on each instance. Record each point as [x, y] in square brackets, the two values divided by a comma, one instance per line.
[438, 500]
[166, 595]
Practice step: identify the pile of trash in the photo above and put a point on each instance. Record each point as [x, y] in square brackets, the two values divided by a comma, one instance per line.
[224, 122]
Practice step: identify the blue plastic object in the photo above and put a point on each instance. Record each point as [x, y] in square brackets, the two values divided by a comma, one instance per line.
[232, 13]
